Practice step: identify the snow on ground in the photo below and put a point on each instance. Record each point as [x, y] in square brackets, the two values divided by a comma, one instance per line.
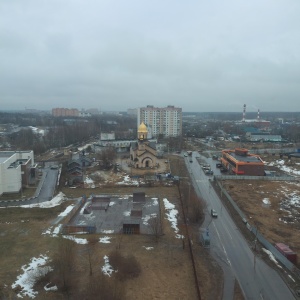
[148, 217]
[66, 211]
[271, 256]
[154, 202]
[107, 231]
[57, 200]
[172, 216]
[48, 231]
[84, 147]
[290, 202]
[51, 288]
[148, 248]
[107, 268]
[105, 240]
[84, 206]
[128, 181]
[266, 201]
[32, 272]
[88, 182]
[57, 229]
[55, 232]
[76, 240]
[281, 165]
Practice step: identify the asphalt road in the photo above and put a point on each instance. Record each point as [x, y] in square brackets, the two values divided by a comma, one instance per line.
[44, 192]
[257, 280]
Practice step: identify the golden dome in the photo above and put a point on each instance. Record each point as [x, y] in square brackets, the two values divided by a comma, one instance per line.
[142, 128]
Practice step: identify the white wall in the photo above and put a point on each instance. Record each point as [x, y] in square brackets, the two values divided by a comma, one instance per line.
[11, 177]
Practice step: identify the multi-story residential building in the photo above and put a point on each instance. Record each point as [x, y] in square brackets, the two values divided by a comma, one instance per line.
[16, 170]
[166, 120]
[65, 112]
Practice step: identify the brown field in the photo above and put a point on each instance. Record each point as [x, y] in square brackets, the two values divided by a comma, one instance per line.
[279, 221]
[166, 270]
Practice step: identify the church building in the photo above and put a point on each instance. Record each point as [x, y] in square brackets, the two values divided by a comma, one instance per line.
[143, 152]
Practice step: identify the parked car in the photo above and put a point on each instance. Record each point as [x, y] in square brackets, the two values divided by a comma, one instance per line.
[223, 170]
[213, 213]
[209, 172]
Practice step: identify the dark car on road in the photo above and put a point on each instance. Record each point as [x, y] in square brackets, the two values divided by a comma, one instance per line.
[213, 213]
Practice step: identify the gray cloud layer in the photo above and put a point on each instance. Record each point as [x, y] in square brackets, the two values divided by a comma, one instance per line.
[201, 56]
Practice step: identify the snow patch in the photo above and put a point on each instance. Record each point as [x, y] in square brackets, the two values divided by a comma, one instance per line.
[76, 240]
[66, 211]
[148, 248]
[33, 271]
[105, 240]
[172, 216]
[272, 258]
[107, 268]
[57, 200]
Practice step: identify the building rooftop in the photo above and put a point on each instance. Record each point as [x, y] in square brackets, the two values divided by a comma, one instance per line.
[247, 158]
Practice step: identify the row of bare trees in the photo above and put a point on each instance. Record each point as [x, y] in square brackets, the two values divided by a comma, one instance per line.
[77, 271]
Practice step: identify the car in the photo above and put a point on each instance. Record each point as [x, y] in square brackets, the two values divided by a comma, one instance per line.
[213, 213]
[218, 165]
[185, 155]
[209, 172]
[223, 170]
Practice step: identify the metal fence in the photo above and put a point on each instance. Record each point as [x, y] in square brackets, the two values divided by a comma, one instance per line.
[266, 178]
[280, 257]
[272, 151]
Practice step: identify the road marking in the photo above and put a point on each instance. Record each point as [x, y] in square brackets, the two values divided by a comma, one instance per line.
[222, 245]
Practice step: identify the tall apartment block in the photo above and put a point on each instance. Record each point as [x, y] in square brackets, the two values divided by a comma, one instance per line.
[166, 120]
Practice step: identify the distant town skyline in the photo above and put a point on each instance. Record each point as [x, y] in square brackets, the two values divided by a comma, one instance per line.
[202, 56]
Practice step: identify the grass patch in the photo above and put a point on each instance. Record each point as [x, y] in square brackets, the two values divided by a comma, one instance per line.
[26, 193]
[21, 238]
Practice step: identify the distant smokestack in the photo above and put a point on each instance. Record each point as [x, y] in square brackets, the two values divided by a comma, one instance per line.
[258, 115]
[244, 113]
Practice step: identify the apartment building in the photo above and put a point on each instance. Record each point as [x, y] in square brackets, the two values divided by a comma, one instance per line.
[65, 112]
[166, 120]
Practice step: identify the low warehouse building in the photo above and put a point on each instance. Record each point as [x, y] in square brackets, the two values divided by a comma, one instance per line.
[240, 162]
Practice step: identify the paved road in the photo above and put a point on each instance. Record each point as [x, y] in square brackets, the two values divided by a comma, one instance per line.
[257, 280]
[44, 191]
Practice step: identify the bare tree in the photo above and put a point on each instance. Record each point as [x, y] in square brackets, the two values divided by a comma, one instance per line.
[195, 212]
[156, 227]
[107, 156]
[90, 252]
[127, 267]
[64, 263]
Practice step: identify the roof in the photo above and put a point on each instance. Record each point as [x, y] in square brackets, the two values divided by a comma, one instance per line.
[247, 158]
[143, 128]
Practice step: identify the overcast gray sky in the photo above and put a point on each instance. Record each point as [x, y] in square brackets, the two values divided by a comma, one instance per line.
[200, 55]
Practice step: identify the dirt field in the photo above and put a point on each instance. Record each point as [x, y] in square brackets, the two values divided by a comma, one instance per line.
[166, 268]
[272, 206]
